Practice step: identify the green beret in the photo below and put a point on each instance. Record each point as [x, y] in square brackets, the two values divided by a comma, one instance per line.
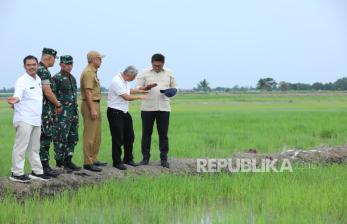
[50, 51]
[66, 59]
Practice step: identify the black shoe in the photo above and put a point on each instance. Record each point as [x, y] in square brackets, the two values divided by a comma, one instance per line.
[143, 162]
[131, 163]
[47, 170]
[120, 166]
[59, 163]
[70, 165]
[99, 163]
[22, 178]
[92, 168]
[42, 177]
[60, 167]
[165, 164]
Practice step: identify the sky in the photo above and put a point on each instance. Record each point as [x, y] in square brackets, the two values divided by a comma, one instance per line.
[227, 42]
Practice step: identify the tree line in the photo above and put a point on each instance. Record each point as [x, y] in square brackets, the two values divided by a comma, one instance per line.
[269, 84]
[266, 84]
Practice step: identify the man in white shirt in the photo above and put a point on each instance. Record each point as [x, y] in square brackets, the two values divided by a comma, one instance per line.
[156, 107]
[27, 104]
[120, 121]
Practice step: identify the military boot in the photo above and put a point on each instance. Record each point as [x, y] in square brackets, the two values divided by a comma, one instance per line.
[59, 163]
[47, 170]
[69, 164]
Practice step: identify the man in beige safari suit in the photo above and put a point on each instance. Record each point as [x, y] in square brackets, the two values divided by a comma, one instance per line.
[90, 108]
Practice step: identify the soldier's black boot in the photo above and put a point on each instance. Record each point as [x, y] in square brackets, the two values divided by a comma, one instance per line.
[69, 164]
[62, 164]
[59, 163]
[47, 170]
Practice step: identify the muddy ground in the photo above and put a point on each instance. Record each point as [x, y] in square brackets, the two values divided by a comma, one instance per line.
[72, 181]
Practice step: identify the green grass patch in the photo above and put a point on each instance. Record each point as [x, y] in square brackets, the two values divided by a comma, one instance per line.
[297, 197]
[213, 125]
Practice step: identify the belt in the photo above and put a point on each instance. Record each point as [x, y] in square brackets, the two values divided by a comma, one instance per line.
[97, 101]
[116, 110]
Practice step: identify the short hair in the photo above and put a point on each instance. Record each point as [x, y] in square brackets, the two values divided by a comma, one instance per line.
[158, 57]
[130, 70]
[30, 57]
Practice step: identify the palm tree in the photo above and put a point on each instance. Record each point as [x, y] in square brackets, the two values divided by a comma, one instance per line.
[203, 86]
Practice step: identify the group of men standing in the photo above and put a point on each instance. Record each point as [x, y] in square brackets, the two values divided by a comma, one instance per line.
[46, 111]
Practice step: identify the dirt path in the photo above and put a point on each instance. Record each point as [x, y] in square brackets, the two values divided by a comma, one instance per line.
[72, 181]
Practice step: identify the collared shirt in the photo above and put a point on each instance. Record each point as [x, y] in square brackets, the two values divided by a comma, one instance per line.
[156, 101]
[29, 107]
[117, 88]
[89, 80]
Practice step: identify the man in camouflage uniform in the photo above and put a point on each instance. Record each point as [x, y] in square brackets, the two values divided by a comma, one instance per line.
[50, 107]
[65, 128]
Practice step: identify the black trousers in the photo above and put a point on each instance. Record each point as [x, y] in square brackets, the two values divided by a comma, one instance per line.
[122, 132]
[162, 120]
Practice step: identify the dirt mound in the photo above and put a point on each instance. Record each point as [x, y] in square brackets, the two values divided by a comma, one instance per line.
[72, 181]
[316, 155]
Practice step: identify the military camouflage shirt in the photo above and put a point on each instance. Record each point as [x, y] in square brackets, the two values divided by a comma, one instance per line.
[46, 79]
[65, 89]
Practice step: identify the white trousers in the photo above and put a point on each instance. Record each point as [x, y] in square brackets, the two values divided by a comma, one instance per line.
[27, 138]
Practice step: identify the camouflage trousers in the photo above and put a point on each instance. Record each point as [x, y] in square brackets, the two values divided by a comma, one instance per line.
[46, 134]
[65, 134]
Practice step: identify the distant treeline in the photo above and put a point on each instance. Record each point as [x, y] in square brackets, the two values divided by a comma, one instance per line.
[271, 84]
[267, 84]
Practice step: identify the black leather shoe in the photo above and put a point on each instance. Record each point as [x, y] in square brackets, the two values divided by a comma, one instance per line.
[92, 168]
[99, 163]
[165, 164]
[120, 166]
[143, 162]
[131, 163]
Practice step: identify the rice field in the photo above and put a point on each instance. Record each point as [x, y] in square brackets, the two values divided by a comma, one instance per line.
[214, 126]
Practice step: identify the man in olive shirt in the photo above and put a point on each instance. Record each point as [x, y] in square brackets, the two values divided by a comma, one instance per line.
[65, 125]
[156, 107]
[90, 108]
[50, 107]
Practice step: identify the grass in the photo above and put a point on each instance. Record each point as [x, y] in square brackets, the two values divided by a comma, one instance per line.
[240, 198]
[214, 125]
